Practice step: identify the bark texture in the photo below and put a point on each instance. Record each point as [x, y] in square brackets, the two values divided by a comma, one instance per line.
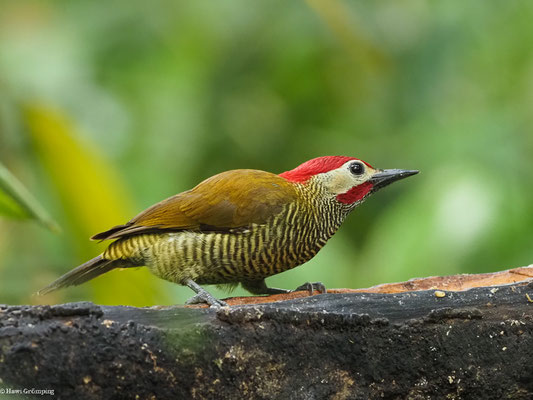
[475, 344]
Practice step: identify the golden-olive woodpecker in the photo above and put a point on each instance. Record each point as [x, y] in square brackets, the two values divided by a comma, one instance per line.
[239, 226]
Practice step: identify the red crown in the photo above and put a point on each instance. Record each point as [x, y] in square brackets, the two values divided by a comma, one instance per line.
[319, 165]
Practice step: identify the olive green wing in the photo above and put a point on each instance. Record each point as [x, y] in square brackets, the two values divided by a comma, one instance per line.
[230, 200]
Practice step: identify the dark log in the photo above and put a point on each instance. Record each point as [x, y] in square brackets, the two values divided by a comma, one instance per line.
[476, 344]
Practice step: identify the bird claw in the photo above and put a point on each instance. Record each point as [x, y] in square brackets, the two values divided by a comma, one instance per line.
[311, 287]
[203, 298]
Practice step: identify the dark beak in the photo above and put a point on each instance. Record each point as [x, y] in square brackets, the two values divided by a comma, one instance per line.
[385, 177]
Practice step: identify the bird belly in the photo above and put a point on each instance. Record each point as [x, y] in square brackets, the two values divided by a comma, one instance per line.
[217, 258]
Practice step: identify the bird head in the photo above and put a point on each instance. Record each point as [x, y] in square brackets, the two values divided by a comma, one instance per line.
[347, 179]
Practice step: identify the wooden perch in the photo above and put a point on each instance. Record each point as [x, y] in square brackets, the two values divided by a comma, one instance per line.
[417, 339]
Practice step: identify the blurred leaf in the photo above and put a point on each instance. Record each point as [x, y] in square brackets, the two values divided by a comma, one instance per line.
[17, 202]
[93, 198]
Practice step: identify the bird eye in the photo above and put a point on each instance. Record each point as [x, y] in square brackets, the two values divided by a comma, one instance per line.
[357, 168]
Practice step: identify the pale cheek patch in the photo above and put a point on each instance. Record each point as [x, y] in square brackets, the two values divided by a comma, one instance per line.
[339, 183]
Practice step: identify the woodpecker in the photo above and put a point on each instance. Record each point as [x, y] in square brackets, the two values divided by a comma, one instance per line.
[239, 226]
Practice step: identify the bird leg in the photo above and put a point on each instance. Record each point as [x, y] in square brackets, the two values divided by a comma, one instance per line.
[202, 296]
[260, 287]
[311, 287]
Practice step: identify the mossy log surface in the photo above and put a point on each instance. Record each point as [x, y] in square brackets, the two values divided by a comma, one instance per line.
[475, 344]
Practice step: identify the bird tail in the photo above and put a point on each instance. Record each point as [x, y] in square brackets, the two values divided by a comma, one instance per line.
[85, 272]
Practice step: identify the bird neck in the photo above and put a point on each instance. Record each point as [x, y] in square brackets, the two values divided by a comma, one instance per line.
[327, 213]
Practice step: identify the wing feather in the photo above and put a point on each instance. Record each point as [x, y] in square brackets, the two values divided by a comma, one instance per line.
[230, 200]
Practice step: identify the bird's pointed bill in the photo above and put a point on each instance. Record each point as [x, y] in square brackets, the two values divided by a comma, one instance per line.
[386, 176]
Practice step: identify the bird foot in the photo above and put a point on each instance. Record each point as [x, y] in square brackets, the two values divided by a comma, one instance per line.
[311, 287]
[205, 297]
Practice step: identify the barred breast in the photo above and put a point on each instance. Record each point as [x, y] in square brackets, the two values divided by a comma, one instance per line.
[287, 240]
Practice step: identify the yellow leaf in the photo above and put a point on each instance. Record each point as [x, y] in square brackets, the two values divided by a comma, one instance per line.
[94, 199]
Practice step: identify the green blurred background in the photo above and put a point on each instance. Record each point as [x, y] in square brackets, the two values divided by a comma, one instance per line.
[109, 107]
